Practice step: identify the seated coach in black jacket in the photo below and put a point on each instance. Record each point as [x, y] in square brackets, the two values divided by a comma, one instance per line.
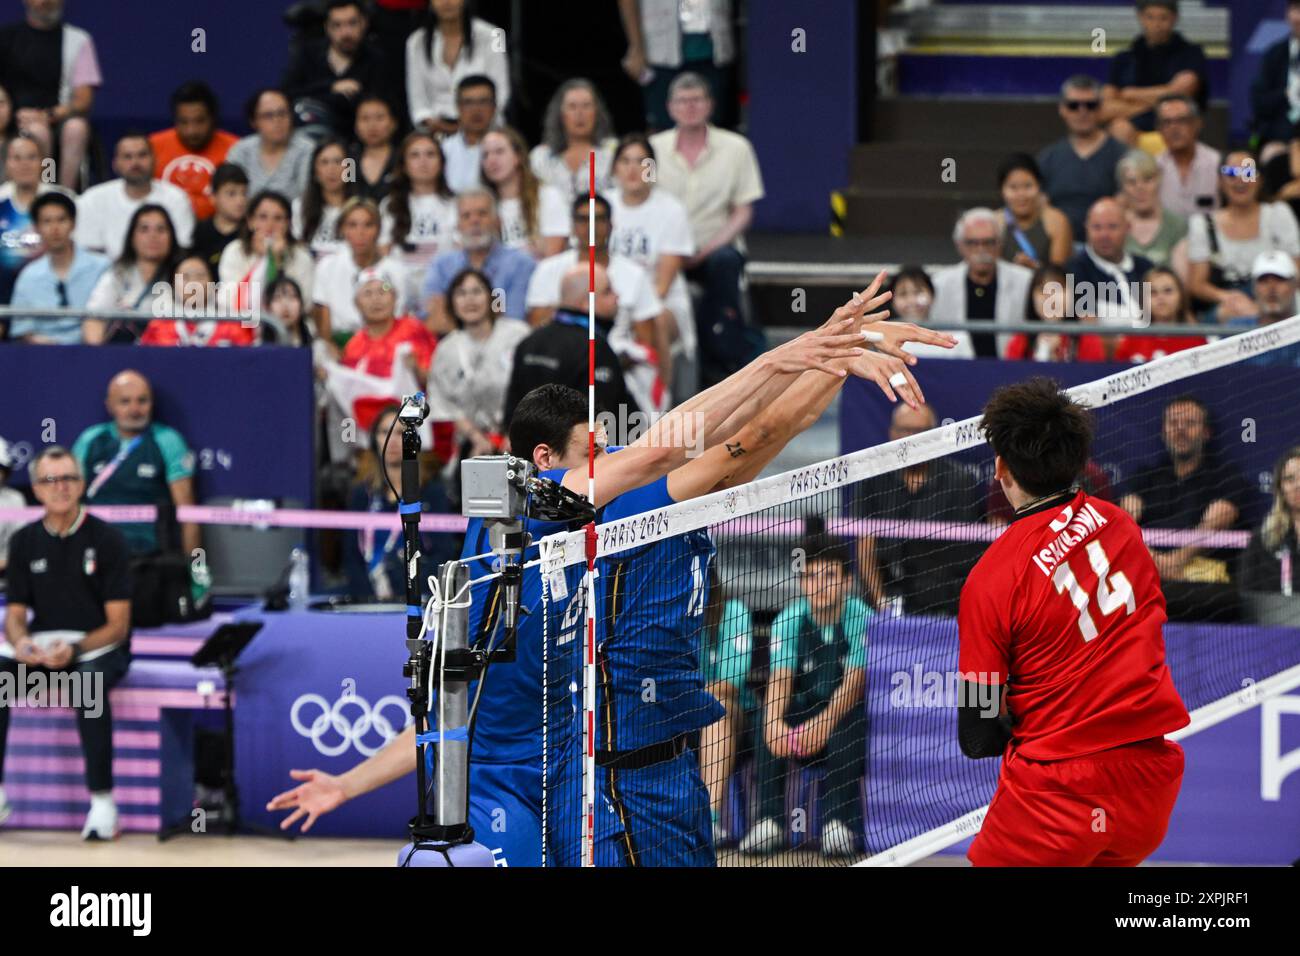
[68, 573]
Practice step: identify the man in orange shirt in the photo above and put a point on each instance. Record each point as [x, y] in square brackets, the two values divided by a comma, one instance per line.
[187, 154]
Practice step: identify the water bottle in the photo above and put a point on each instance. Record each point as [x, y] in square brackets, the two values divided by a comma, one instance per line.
[299, 579]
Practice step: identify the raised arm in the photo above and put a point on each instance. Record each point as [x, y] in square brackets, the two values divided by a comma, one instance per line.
[720, 412]
[662, 448]
[742, 457]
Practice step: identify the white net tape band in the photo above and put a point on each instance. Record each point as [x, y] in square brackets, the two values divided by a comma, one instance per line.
[851, 468]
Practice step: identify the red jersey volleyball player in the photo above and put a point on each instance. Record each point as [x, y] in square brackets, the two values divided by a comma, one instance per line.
[1063, 656]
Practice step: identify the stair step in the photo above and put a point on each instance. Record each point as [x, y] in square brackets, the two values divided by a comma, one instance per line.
[954, 119]
[989, 71]
[1028, 22]
[909, 212]
[872, 164]
[991, 120]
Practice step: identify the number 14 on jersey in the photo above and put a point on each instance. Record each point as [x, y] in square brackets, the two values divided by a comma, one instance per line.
[1113, 590]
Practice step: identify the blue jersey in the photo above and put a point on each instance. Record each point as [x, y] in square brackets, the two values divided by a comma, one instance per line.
[649, 615]
[508, 727]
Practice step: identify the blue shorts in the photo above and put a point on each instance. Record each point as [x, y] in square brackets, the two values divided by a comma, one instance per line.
[505, 810]
[652, 816]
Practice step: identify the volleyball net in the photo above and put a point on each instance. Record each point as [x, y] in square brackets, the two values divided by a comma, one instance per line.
[776, 665]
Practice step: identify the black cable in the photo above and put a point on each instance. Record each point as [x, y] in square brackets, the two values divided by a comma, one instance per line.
[383, 453]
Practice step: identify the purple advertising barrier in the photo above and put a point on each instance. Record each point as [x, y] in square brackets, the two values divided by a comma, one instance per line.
[246, 413]
[1252, 424]
[321, 690]
[1240, 799]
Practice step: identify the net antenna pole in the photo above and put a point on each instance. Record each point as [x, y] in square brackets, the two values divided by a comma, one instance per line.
[589, 657]
[411, 416]
[446, 834]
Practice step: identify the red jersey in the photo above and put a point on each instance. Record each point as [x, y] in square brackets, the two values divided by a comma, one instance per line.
[192, 172]
[374, 356]
[1084, 348]
[1144, 348]
[1066, 608]
[180, 332]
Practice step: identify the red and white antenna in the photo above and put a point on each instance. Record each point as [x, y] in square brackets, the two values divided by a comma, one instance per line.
[589, 659]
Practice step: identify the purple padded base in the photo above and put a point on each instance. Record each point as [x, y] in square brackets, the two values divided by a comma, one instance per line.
[464, 854]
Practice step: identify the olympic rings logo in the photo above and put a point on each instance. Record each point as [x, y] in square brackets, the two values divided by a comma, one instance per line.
[331, 722]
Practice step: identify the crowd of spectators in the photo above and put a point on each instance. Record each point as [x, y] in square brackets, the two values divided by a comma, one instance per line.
[363, 195]
[1132, 206]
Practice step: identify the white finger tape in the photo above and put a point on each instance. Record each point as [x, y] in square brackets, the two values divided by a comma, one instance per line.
[898, 380]
[873, 336]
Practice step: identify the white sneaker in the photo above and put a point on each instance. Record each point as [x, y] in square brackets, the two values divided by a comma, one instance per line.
[5, 808]
[763, 837]
[101, 821]
[838, 840]
[720, 835]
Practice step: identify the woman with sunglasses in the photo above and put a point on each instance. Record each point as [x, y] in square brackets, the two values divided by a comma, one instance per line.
[1222, 246]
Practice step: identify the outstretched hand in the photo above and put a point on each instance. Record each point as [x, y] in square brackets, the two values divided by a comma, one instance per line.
[839, 337]
[317, 795]
[865, 306]
[819, 348]
[889, 338]
[892, 375]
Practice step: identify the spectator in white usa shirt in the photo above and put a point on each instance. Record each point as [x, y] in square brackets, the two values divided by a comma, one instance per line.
[419, 212]
[650, 227]
[634, 316]
[534, 216]
[334, 287]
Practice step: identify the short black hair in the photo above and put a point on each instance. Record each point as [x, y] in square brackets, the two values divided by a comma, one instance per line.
[196, 91]
[584, 199]
[1170, 5]
[250, 105]
[134, 132]
[1042, 434]
[228, 173]
[53, 199]
[459, 279]
[1187, 398]
[476, 79]
[361, 5]
[819, 546]
[642, 140]
[546, 416]
[912, 274]
[1019, 162]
